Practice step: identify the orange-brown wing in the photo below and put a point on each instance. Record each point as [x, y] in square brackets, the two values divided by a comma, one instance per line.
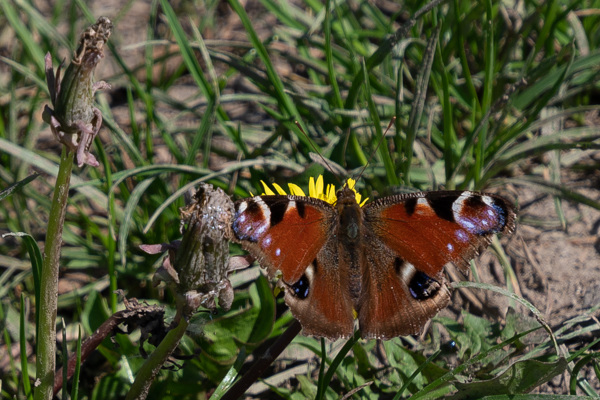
[293, 235]
[414, 236]
[396, 298]
[284, 233]
[320, 300]
[431, 229]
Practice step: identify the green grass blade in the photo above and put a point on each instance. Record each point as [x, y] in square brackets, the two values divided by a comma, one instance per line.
[16, 186]
[35, 255]
[449, 376]
[128, 221]
[486, 102]
[555, 190]
[24, 34]
[410, 379]
[284, 100]
[41, 24]
[331, 72]
[450, 142]
[285, 13]
[321, 388]
[229, 379]
[563, 140]
[574, 381]
[65, 360]
[384, 153]
[23, 352]
[416, 113]
[335, 363]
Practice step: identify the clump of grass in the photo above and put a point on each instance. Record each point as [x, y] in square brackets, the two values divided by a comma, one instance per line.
[473, 88]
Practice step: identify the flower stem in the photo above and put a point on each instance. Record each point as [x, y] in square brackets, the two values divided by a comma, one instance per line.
[145, 376]
[46, 332]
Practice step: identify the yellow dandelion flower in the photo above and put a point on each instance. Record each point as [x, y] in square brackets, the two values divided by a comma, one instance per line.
[316, 189]
[267, 189]
[295, 190]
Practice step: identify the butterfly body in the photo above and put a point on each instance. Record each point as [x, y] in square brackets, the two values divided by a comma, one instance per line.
[382, 262]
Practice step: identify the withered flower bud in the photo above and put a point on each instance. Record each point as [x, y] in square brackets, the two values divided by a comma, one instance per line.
[202, 258]
[75, 121]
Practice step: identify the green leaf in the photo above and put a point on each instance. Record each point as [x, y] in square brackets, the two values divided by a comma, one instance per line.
[520, 377]
[23, 352]
[16, 186]
[248, 324]
[35, 255]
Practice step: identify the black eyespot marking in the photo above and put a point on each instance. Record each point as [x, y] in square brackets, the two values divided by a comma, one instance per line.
[410, 206]
[301, 288]
[502, 213]
[277, 212]
[422, 286]
[442, 206]
[398, 263]
[301, 209]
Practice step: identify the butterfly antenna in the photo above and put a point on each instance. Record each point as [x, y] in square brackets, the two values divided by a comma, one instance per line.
[372, 156]
[318, 152]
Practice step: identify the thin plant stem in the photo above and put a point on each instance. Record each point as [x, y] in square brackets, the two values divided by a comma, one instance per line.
[46, 339]
[238, 389]
[145, 376]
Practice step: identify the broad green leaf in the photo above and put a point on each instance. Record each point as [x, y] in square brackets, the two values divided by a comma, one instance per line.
[520, 377]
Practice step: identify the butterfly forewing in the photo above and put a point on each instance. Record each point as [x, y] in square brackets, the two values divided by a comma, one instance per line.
[431, 229]
[420, 233]
[284, 233]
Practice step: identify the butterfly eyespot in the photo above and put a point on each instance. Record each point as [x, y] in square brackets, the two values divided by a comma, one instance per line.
[301, 288]
[422, 286]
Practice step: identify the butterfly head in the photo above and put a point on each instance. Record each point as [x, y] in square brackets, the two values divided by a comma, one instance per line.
[348, 195]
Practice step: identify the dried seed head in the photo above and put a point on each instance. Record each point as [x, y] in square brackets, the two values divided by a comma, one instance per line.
[75, 121]
[90, 49]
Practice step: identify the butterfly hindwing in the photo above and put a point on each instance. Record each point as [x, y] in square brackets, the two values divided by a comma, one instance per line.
[396, 298]
[324, 306]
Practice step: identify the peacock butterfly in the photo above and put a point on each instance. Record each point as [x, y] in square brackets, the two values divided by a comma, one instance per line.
[381, 262]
